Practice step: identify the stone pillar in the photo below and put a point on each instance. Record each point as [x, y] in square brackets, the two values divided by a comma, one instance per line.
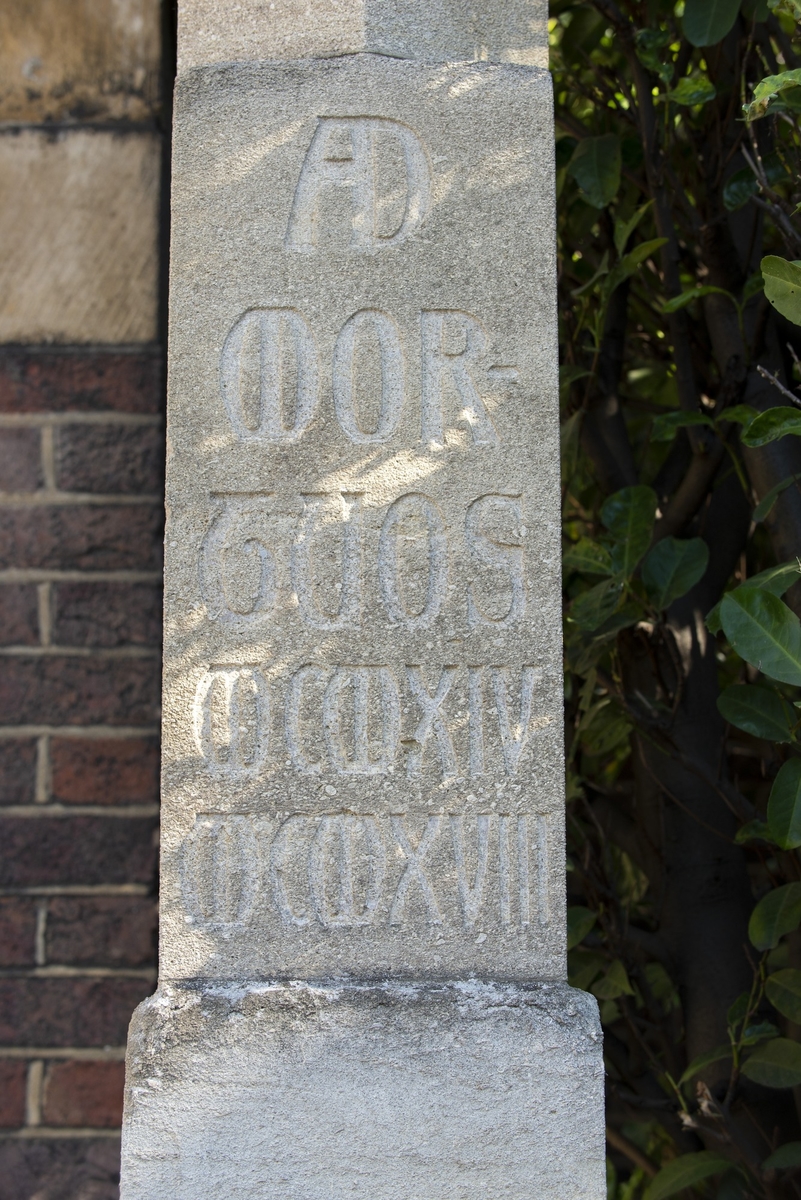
[363, 917]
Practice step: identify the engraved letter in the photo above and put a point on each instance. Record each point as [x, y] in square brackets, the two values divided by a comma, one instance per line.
[237, 570]
[364, 760]
[280, 855]
[292, 719]
[269, 375]
[454, 346]
[343, 154]
[343, 830]
[414, 870]
[432, 719]
[231, 715]
[476, 720]
[403, 520]
[391, 358]
[219, 869]
[470, 897]
[506, 556]
[348, 610]
[513, 735]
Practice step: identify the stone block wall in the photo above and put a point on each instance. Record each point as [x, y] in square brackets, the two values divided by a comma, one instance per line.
[82, 154]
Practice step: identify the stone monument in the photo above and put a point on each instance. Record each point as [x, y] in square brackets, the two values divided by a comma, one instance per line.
[362, 984]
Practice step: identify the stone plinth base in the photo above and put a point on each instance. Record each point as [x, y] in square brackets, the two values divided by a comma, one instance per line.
[365, 1092]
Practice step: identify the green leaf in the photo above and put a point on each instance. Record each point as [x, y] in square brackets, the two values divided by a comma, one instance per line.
[603, 269]
[783, 286]
[739, 188]
[592, 608]
[693, 89]
[685, 298]
[712, 619]
[758, 710]
[784, 806]
[751, 831]
[776, 1064]
[743, 414]
[784, 992]
[650, 45]
[778, 579]
[705, 1060]
[771, 425]
[765, 505]
[739, 1009]
[753, 285]
[763, 631]
[628, 265]
[672, 567]
[666, 424]
[583, 966]
[684, 1172]
[629, 516]
[614, 983]
[788, 1155]
[589, 557]
[706, 22]
[595, 166]
[776, 914]
[767, 90]
[579, 923]
[624, 229]
[760, 1032]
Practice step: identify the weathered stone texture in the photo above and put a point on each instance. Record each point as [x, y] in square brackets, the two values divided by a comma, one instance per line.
[79, 60]
[365, 1093]
[427, 30]
[363, 549]
[78, 222]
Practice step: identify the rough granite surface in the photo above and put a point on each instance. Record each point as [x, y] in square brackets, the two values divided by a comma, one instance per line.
[394, 1092]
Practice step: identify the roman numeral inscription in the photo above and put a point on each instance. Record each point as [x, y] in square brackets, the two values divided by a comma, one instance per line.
[366, 720]
[349, 871]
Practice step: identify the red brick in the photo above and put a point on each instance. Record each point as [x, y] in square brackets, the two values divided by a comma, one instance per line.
[20, 460]
[79, 691]
[81, 1094]
[68, 1012]
[17, 770]
[88, 537]
[110, 458]
[102, 931]
[107, 614]
[17, 931]
[19, 615]
[13, 1076]
[76, 379]
[39, 851]
[105, 770]
[60, 1169]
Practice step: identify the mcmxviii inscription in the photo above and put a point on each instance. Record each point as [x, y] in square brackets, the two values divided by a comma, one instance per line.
[348, 871]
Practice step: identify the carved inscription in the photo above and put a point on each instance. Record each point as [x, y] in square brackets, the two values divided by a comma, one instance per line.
[242, 558]
[349, 871]
[352, 154]
[270, 375]
[231, 720]
[349, 719]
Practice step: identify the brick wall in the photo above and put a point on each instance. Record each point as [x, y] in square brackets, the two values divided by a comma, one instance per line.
[81, 472]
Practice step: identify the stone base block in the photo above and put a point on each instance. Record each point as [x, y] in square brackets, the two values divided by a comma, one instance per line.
[381, 1092]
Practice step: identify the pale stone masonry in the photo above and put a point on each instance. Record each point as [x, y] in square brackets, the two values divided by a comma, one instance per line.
[363, 927]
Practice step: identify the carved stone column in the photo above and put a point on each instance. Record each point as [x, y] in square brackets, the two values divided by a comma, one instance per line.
[363, 917]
